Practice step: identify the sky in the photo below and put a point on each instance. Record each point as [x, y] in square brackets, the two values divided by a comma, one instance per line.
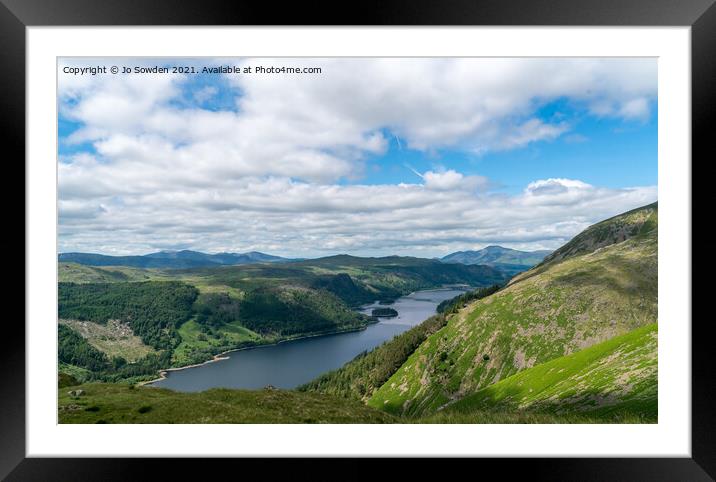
[370, 157]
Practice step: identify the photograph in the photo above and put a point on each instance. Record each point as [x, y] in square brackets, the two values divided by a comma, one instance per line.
[400, 240]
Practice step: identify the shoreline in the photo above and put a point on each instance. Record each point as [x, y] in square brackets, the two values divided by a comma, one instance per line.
[222, 356]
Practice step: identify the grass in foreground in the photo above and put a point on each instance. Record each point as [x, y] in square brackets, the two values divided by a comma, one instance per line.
[119, 403]
[520, 417]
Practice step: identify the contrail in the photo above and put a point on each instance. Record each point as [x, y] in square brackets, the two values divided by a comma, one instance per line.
[414, 171]
[397, 139]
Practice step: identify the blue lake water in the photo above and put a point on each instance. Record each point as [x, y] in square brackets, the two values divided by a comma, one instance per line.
[292, 363]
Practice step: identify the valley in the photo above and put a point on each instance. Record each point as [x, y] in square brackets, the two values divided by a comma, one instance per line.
[187, 316]
[572, 339]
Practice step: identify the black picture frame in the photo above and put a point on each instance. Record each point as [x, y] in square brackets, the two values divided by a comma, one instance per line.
[16, 15]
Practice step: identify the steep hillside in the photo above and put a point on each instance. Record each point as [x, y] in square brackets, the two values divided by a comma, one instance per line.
[364, 374]
[359, 378]
[616, 376]
[610, 231]
[586, 294]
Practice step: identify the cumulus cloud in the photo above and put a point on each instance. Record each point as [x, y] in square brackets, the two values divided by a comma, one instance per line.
[452, 180]
[301, 219]
[281, 171]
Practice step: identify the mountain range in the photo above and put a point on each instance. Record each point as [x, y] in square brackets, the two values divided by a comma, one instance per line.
[171, 259]
[496, 255]
[510, 261]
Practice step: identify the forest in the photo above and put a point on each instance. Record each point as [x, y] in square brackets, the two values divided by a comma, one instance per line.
[186, 316]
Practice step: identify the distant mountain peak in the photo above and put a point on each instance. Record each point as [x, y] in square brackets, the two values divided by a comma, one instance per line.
[498, 256]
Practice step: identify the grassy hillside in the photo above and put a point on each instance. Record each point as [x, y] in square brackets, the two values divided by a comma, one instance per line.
[122, 403]
[359, 378]
[575, 300]
[118, 403]
[615, 376]
[610, 231]
[77, 273]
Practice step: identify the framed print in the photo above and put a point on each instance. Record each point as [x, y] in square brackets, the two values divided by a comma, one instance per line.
[255, 233]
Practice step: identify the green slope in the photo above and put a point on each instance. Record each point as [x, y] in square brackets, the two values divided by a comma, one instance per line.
[117, 403]
[359, 378]
[78, 273]
[577, 299]
[615, 376]
[610, 231]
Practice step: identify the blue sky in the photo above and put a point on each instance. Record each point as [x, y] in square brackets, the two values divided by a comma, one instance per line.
[605, 151]
[436, 154]
[600, 151]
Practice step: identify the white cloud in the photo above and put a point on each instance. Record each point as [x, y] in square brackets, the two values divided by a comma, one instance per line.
[309, 121]
[451, 180]
[301, 219]
[205, 93]
[635, 109]
[272, 174]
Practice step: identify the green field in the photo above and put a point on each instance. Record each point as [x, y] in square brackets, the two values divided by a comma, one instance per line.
[196, 346]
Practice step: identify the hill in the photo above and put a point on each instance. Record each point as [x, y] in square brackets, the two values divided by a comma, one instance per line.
[170, 259]
[362, 376]
[600, 285]
[610, 231]
[354, 280]
[615, 376]
[497, 256]
[78, 273]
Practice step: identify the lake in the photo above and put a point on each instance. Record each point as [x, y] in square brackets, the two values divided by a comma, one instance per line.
[293, 363]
